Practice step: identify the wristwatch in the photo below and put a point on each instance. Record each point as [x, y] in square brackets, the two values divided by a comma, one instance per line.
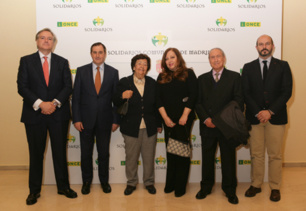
[55, 103]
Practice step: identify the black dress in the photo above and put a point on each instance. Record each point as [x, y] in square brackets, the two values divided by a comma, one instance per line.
[174, 97]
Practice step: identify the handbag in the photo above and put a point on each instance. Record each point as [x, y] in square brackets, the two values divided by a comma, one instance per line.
[122, 110]
[179, 148]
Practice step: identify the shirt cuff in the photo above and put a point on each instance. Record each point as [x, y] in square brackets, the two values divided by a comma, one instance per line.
[57, 103]
[36, 104]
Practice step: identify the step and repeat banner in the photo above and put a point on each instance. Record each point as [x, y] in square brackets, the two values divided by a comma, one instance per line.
[130, 27]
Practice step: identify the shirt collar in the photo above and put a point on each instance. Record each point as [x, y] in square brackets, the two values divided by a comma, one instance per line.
[94, 66]
[41, 55]
[220, 72]
[268, 60]
[139, 81]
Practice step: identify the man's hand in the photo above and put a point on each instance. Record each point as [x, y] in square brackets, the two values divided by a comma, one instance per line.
[264, 116]
[79, 126]
[47, 108]
[114, 127]
[209, 123]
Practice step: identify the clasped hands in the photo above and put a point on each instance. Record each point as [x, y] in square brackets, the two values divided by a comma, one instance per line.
[264, 116]
[47, 108]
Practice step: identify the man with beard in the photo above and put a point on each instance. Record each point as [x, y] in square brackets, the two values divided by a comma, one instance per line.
[267, 86]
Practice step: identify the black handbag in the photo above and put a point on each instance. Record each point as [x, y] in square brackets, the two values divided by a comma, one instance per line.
[123, 109]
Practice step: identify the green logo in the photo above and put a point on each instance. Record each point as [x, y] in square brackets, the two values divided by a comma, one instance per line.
[160, 140]
[252, 1]
[195, 162]
[123, 163]
[221, 22]
[218, 160]
[188, 1]
[128, 0]
[97, 162]
[66, 1]
[160, 160]
[71, 138]
[244, 162]
[98, 21]
[159, 40]
[193, 138]
[250, 24]
[67, 24]
[74, 163]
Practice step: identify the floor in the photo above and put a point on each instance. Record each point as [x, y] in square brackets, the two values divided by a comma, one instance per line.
[14, 190]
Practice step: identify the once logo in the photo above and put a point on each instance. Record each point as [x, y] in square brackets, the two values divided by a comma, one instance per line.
[160, 160]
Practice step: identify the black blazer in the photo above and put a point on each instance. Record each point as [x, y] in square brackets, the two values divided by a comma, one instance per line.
[139, 107]
[272, 95]
[89, 107]
[32, 86]
[213, 97]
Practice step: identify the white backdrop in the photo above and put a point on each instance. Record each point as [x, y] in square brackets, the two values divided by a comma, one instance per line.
[129, 27]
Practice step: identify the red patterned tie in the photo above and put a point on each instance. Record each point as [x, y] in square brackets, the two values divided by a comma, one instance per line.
[46, 70]
[98, 80]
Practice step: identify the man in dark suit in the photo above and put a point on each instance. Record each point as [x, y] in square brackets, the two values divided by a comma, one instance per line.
[267, 86]
[216, 89]
[94, 115]
[44, 82]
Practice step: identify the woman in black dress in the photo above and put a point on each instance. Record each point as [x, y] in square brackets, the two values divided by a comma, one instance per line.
[176, 97]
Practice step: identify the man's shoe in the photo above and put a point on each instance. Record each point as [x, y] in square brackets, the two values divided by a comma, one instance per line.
[69, 193]
[232, 198]
[129, 190]
[202, 194]
[252, 191]
[32, 198]
[86, 188]
[275, 195]
[106, 187]
[151, 189]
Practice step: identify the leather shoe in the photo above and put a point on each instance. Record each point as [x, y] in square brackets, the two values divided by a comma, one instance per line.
[252, 191]
[202, 194]
[106, 187]
[275, 195]
[151, 189]
[69, 193]
[32, 198]
[129, 190]
[86, 188]
[232, 198]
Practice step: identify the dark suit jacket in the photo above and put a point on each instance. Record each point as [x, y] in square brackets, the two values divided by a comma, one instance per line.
[272, 95]
[87, 106]
[32, 85]
[138, 107]
[213, 97]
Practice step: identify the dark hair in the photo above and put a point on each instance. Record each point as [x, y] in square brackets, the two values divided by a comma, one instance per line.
[180, 73]
[43, 30]
[140, 56]
[97, 44]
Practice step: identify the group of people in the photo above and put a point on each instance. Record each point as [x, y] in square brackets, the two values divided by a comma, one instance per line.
[172, 101]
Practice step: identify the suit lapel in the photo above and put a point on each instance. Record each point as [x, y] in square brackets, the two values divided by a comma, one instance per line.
[258, 75]
[89, 75]
[53, 69]
[271, 68]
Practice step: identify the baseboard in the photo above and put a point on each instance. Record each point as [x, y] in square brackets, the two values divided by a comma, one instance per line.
[25, 167]
[294, 164]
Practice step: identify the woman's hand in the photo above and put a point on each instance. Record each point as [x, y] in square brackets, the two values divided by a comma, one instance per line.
[127, 94]
[183, 119]
[169, 122]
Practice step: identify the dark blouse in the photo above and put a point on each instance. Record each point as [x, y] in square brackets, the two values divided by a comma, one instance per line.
[176, 95]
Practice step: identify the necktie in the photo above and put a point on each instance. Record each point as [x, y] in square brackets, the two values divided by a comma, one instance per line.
[98, 80]
[217, 77]
[46, 70]
[265, 70]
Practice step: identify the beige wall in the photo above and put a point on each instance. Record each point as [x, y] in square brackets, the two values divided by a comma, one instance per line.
[18, 27]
